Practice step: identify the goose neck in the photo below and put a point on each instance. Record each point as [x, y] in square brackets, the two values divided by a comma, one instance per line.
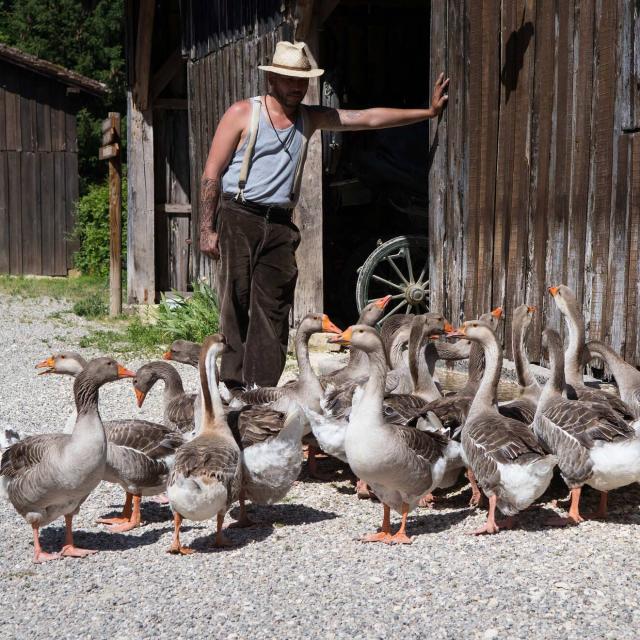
[86, 393]
[485, 396]
[423, 383]
[523, 371]
[213, 416]
[306, 373]
[172, 381]
[573, 355]
[626, 375]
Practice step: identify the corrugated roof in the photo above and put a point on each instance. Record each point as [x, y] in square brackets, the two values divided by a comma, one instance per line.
[46, 68]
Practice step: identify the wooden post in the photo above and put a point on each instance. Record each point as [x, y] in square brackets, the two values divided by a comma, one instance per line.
[110, 151]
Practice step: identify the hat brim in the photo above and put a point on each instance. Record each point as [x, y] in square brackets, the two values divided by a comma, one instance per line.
[312, 73]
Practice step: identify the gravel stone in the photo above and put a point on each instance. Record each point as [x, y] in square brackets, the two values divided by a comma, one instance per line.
[304, 574]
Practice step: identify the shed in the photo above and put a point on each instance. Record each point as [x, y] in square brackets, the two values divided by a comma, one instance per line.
[530, 178]
[38, 162]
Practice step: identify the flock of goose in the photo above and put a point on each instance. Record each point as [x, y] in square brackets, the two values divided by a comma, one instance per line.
[384, 414]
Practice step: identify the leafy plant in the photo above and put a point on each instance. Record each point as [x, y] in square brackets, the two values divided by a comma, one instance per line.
[92, 229]
[191, 318]
[93, 306]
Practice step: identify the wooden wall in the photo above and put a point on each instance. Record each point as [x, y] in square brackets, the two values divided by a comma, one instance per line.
[38, 173]
[536, 172]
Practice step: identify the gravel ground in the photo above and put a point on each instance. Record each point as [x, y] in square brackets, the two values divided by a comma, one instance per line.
[303, 575]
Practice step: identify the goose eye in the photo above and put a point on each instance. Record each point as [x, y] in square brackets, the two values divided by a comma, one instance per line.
[63, 357]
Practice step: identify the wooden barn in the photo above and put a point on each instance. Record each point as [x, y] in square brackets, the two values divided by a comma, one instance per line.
[38, 162]
[530, 178]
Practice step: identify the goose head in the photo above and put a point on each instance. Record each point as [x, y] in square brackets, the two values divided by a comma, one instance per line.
[146, 377]
[475, 330]
[565, 300]
[65, 363]
[361, 336]
[523, 315]
[183, 351]
[317, 323]
[371, 314]
[105, 369]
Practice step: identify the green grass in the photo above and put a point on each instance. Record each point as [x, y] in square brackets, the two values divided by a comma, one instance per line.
[71, 289]
[135, 338]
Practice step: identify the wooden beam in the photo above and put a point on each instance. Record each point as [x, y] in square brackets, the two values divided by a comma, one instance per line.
[165, 73]
[173, 208]
[143, 53]
[141, 287]
[303, 19]
[308, 213]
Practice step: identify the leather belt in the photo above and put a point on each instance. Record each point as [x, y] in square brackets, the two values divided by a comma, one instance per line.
[269, 212]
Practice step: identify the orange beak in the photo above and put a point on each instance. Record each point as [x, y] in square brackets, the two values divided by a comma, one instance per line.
[167, 355]
[140, 396]
[532, 309]
[125, 373]
[497, 312]
[459, 333]
[554, 291]
[381, 303]
[328, 326]
[448, 327]
[48, 364]
[343, 338]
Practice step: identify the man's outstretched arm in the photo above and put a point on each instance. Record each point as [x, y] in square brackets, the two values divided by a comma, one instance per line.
[380, 117]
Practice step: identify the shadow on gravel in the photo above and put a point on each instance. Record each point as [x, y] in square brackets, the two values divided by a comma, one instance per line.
[150, 512]
[434, 521]
[289, 515]
[53, 537]
[238, 538]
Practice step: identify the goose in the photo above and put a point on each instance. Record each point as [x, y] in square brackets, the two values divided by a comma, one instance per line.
[178, 405]
[507, 460]
[50, 475]
[207, 473]
[270, 440]
[573, 359]
[400, 463]
[522, 408]
[184, 351]
[627, 376]
[593, 444]
[139, 452]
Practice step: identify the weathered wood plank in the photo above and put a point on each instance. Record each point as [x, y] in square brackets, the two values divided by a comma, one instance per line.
[58, 202]
[43, 115]
[140, 219]
[13, 128]
[167, 71]
[508, 30]
[5, 220]
[3, 120]
[143, 53]
[46, 213]
[600, 197]
[632, 338]
[194, 177]
[541, 130]
[522, 95]
[15, 211]
[178, 253]
[28, 110]
[438, 163]
[457, 159]
[31, 228]
[474, 62]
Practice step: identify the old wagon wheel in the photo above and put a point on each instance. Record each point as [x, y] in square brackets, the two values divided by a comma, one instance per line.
[400, 268]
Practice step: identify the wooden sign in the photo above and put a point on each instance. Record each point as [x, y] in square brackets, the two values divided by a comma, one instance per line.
[107, 124]
[109, 137]
[109, 151]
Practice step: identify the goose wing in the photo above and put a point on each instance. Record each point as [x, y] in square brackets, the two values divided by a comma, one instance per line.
[599, 396]
[426, 444]
[22, 456]
[520, 410]
[149, 438]
[180, 411]
[262, 395]
[391, 325]
[251, 425]
[208, 458]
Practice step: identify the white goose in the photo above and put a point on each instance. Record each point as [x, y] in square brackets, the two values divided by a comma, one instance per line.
[51, 475]
[207, 473]
[400, 463]
[594, 445]
[507, 460]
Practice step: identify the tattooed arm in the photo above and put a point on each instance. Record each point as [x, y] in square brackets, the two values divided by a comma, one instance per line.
[379, 117]
[228, 135]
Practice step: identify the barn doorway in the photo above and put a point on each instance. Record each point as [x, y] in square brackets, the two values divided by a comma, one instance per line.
[375, 53]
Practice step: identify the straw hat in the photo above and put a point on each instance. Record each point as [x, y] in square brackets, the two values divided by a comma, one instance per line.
[291, 60]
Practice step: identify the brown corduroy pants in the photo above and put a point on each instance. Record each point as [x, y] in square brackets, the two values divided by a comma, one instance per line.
[256, 283]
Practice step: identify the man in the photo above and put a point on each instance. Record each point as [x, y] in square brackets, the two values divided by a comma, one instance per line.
[248, 192]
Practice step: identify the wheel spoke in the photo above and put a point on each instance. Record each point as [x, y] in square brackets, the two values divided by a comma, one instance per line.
[407, 257]
[408, 310]
[395, 268]
[387, 282]
[423, 273]
[393, 311]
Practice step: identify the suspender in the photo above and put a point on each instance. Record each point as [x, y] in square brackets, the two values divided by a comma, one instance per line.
[251, 144]
[248, 152]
